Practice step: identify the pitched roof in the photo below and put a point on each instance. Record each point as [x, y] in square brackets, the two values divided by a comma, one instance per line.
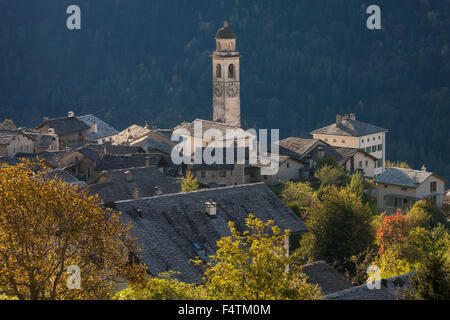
[348, 153]
[131, 133]
[65, 125]
[171, 228]
[298, 145]
[391, 289]
[41, 140]
[404, 177]
[142, 183]
[137, 160]
[207, 125]
[63, 176]
[328, 279]
[50, 157]
[117, 149]
[352, 128]
[6, 136]
[103, 128]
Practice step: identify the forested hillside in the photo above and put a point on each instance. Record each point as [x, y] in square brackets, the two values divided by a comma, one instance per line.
[303, 62]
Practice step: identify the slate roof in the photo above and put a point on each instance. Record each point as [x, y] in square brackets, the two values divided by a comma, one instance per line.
[144, 180]
[50, 157]
[390, 290]
[117, 149]
[137, 160]
[89, 153]
[130, 134]
[103, 128]
[298, 145]
[167, 227]
[65, 125]
[64, 176]
[6, 136]
[348, 153]
[207, 125]
[404, 177]
[352, 128]
[328, 279]
[40, 139]
[159, 146]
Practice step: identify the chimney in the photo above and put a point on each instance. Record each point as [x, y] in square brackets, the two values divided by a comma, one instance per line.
[70, 114]
[225, 24]
[320, 152]
[51, 131]
[424, 168]
[45, 119]
[94, 126]
[338, 120]
[135, 193]
[147, 161]
[415, 179]
[128, 176]
[353, 116]
[345, 117]
[211, 207]
[158, 191]
[103, 151]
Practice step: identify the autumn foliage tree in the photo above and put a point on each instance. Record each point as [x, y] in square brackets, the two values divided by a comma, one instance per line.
[46, 226]
[393, 230]
[189, 183]
[255, 265]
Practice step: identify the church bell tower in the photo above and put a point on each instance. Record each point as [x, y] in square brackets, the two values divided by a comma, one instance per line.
[226, 82]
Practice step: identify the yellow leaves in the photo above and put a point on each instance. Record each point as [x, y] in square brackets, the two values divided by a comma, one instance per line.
[47, 225]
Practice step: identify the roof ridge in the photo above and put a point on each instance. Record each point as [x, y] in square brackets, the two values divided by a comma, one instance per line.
[196, 191]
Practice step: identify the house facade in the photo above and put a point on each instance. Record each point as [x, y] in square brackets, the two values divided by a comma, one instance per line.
[70, 130]
[347, 132]
[399, 188]
[13, 142]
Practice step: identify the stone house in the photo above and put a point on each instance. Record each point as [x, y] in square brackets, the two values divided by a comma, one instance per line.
[399, 188]
[312, 150]
[70, 130]
[100, 131]
[347, 132]
[13, 142]
[81, 162]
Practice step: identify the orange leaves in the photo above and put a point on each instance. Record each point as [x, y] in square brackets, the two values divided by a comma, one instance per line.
[393, 230]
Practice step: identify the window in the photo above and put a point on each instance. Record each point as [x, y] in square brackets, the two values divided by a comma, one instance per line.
[433, 186]
[404, 189]
[343, 141]
[380, 147]
[374, 149]
[379, 137]
[373, 138]
[367, 163]
[326, 139]
[223, 174]
[218, 71]
[287, 165]
[334, 140]
[231, 71]
[203, 174]
[385, 186]
[360, 164]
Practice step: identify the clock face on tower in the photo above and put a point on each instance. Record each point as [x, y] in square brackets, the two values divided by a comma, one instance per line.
[218, 90]
[232, 90]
